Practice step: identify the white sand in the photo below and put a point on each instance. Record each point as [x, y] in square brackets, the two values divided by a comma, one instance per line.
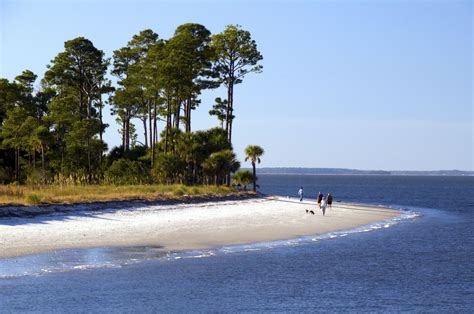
[176, 227]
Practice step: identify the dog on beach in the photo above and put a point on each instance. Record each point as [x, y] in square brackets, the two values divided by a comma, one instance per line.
[310, 211]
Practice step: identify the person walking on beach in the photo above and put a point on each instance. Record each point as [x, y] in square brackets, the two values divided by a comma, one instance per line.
[320, 198]
[323, 206]
[329, 200]
[300, 194]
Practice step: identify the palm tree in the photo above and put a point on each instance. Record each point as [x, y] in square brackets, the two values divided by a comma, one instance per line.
[219, 164]
[253, 153]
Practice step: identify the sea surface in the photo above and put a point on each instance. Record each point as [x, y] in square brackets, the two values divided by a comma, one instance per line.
[420, 262]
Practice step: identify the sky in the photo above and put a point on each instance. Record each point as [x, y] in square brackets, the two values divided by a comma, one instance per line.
[346, 84]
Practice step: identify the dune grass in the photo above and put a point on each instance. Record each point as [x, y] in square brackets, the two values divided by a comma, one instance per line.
[29, 195]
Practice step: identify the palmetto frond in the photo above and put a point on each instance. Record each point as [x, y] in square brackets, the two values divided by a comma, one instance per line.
[253, 153]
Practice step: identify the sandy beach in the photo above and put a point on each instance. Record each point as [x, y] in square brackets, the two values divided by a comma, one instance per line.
[180, 227]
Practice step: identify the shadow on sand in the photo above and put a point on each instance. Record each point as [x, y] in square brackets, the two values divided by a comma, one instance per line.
[22, 215]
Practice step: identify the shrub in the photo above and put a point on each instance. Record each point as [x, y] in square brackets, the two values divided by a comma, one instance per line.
[33, 199]
[180, 190]
[219, 164]
[168, 169]
[4, 175]
[124, 171]
[37, 177]
[243, 178]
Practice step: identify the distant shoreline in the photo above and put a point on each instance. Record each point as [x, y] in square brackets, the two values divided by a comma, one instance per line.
[368, 174]
[344, 171]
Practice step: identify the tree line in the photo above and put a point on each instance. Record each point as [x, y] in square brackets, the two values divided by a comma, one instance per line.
[54, 133]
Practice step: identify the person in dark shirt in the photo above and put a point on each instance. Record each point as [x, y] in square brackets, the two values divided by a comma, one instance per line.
[329, 200]
[320, 198]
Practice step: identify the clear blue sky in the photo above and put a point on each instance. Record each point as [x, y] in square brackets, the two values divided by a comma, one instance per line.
[353, 84]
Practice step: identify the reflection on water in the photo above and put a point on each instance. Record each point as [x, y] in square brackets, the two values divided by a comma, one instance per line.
[72, 259]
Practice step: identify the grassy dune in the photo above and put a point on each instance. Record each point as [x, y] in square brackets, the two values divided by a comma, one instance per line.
[28, 195]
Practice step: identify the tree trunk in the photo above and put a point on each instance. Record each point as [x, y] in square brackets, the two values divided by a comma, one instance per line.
[177, 113]
[254, 177]
[231, 111]
[127, 129]
[62, 159]
[100, 116]
[42, 158]
[81, 95]
[190, 177]
[227, 111]
[149, 123]
[89, 163]
[145, 131]
[195, 172]
[123, 135]
[89, 106]
[43, 172]
[81, 101]
[155, 128]
[153, 137]
[228, 118]
[168, 123]
[17, 165]
[185, 115]
[188, 115]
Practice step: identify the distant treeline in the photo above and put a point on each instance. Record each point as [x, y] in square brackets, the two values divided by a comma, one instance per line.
[54, 133]
[342, 171]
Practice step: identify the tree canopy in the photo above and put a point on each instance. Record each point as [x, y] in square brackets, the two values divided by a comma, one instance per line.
[53, 132]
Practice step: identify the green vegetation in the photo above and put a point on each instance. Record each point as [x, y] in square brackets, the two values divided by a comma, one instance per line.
[236, 55]
[53, 135]
[253, 153]
[27, 195]
[33, 199]
[243, 178]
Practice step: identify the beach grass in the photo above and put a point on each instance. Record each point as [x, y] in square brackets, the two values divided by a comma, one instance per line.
[55, 194]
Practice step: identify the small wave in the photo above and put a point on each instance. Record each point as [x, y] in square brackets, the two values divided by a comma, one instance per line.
[188, 254]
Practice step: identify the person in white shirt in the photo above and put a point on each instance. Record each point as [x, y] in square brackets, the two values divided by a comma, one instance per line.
[300, 194]
[323, 206]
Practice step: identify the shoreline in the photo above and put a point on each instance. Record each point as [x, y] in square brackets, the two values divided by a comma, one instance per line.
[182, 226]
[31, 211]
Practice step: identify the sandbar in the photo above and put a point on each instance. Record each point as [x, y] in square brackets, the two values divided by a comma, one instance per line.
[182, 226]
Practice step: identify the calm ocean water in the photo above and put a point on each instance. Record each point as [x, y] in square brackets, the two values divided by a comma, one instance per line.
[417, 264]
